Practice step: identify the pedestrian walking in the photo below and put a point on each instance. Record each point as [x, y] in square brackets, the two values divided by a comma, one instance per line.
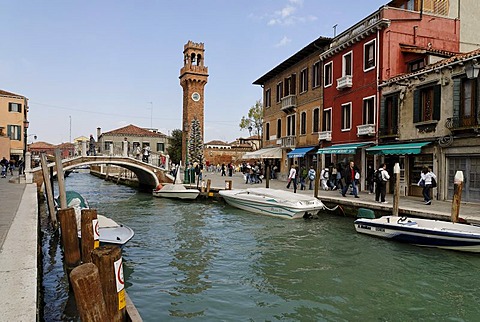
[303, 177]
[91, 146]
[292, 177]
[381, 177]
[4, 166]
[324, 176]
[311, 177]
[428, 180]
[370, 179]
[350, 174]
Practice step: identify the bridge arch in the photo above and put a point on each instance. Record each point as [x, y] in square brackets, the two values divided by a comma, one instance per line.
[148, 175]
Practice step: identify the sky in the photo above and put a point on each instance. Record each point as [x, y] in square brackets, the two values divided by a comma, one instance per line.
[85, 64]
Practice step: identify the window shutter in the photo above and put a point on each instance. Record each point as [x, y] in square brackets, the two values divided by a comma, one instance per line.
[9, 131]
[477, 101]
[437, 98]
[293, 84]
[382, 115]
[416, 106]
[306, 80]
[457, 89]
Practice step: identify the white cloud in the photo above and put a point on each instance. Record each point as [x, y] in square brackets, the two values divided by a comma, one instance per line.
[288, 15]
[283, 42]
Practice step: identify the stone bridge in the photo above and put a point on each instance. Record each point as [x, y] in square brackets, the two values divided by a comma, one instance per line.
[148, 175]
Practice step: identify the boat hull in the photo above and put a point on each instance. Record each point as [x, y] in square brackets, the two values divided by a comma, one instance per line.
[186, 194]
[277, 203]
[423, 232]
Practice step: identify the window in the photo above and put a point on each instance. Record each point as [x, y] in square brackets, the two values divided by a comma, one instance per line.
[107, 145]
[303, 123]
[346, 116]
[389, 115]
[279, 128]
[290, 85]
[369, 110]
[304, 80]
[291, 125]
[268, 98]
[327, 120]
[369, 55]
[161, 147]
[415, 65]
[316, 75]
[316, 114]
[267, 131]
[14, 132]
[426, 104]
[347, 64]
[279, 92]
[15, 107]
[468, 96]
[327, 74]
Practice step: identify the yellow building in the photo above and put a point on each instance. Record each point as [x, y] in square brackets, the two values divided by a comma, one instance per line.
[13, 125]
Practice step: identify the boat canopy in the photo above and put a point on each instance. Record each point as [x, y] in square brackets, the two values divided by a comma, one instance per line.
[399, 149]
[266, 153]
[300, 152]
[349, 148]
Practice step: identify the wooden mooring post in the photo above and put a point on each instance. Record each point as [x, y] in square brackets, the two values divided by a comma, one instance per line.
[48, 190]
[108, 259]
[89, 233]
[396, 191]
[68, 226]
[85, 280]
[61, 179]
[457, 195]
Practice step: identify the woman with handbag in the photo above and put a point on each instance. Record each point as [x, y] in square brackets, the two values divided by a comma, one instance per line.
[427, 181]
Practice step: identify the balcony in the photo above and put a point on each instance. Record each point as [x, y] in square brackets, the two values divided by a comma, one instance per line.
[289, 103]
[325, 135]
[462, 124]
[366, 130]
[344, 82]
[289, 142]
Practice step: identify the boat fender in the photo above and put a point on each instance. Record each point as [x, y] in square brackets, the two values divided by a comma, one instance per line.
[159, 187]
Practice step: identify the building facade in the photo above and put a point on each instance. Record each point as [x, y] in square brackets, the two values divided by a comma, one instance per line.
[13, 125]
[292, 104]
[438, 125]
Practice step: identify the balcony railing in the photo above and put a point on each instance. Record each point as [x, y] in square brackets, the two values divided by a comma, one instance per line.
[366, 129]
[288, 142]
[344, 82]
[462, 123]
[325, 135]
[289, 103]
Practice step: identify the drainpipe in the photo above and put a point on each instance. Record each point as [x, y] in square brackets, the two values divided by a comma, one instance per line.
[421, 9]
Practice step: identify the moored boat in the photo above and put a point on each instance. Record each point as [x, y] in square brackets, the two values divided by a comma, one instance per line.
[176, 189]
[273, 202]
[423, 232]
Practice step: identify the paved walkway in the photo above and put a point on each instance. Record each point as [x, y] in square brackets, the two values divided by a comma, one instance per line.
[18, 251]
[413, 206]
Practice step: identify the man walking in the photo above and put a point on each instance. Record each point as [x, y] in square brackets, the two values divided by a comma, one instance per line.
[349, 174]
[381, 177]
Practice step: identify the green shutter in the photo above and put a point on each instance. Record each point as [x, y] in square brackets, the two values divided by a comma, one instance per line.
[382, 115]
[437, 102]
[457, 90]
[416, 106]
[394, 114]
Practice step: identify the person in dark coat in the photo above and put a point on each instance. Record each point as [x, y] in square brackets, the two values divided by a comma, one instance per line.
[349, 174]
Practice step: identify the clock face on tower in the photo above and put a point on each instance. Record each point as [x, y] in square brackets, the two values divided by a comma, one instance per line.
[195, 96]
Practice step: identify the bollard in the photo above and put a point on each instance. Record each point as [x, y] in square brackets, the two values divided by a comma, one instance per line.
[88, 293]
[89, 232]
[209, 182]
[457, 196]
[68, 226]
[108, 259]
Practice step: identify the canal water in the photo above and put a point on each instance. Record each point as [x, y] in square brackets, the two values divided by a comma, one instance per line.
[206, 261]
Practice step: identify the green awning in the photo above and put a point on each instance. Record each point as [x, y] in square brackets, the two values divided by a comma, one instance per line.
[349, 148]
[399, 149]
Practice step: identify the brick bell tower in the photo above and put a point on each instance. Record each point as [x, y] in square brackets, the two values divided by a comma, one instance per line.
[193, 78]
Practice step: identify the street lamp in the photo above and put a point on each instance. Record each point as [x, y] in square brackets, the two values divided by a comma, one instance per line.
[26, 123]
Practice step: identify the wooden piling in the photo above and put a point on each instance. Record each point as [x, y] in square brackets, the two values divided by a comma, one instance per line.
[317, 178]
[457, 196]
[209, 183]
[68, 226]
[267, 178]
[85, 280]
[396, 192]
[111, 277]
[48, 190]
[61, 179]
[88, 241]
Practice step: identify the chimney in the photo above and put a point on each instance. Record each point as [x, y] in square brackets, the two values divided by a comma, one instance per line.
[99, 132]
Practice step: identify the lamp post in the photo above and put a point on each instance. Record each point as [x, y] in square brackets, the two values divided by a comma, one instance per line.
[26, 123]
[472, 70]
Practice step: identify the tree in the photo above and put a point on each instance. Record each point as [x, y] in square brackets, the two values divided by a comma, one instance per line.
[175, 148]
[195, 143]
[254, 120]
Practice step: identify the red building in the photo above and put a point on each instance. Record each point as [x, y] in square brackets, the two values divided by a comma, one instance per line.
[398, 38]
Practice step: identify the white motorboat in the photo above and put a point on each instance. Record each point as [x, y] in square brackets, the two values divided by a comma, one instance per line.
[278, 203]
[176, 189]
[423, 232]
[110, 232]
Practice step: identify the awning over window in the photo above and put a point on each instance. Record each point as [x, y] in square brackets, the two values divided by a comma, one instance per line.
[266, 153]
[300, 152]
[400, 149]
[349, 148]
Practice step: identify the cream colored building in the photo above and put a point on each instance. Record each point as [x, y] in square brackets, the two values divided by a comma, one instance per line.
[13, 124]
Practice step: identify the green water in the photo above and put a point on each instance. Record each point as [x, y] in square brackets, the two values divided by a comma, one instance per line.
[205, 261]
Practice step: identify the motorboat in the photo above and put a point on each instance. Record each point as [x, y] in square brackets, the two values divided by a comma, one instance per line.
[423, 232]
[110, 232]
[273, 202]
[176, 189]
